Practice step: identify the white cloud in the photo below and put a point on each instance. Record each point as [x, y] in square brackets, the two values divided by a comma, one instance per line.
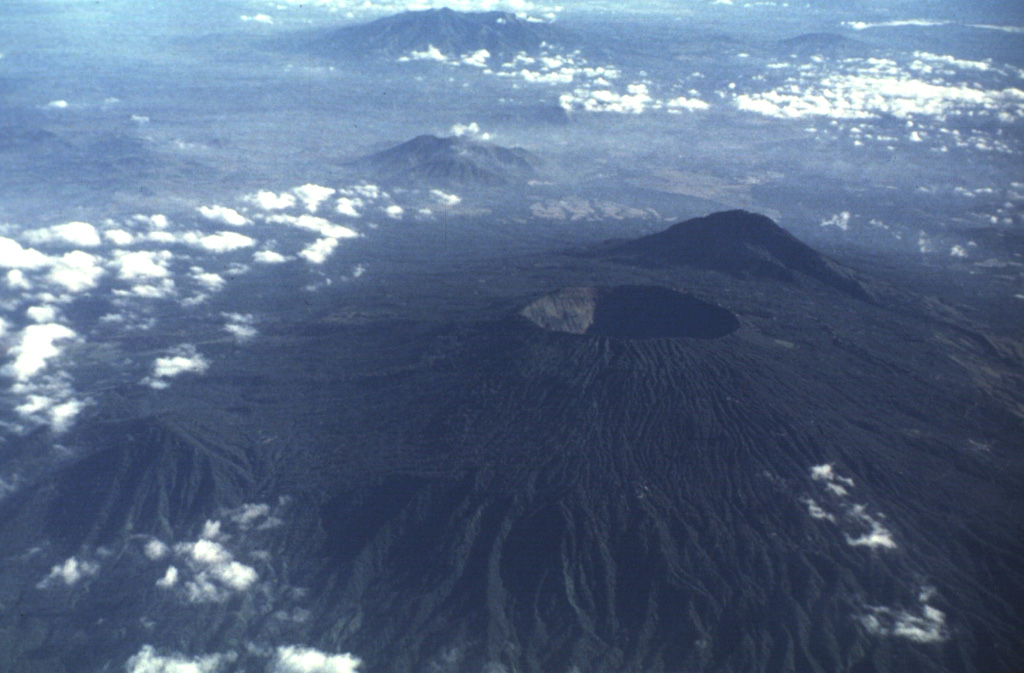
[684, 103]
[155, 550]
[36, 346]
[69, 573]
[478, 59]
[431, 53]
[80, 234]
[216, 573]
[268, 257]
[927, 626]
[16, 280]
[394, 211]
[62, 415]
[958, 251]
[445, 198]
[57, 105]
[296, 659]
[839, 220]
[347, 206]
[240, 325]
[865, 88]
[226, 241]
[209, 280]
[470, 130]
[148, 661]
[877, 535]
[918, 23]
[119, 237]
[826, 472]
[313, 195]
[258, 18]
[223, 215]
[184, 359]
[816, 512]
[142, 264]
[318, 251]
[41, 313]
[14, 256]
[157, 221]
[268, 200]
[170, 578]
[636, 99]
[76, 271]
[254, 515]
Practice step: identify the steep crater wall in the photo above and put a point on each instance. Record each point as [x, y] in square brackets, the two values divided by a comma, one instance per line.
[631, 312]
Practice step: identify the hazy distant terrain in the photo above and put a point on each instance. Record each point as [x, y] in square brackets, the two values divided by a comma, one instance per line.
[381, 337]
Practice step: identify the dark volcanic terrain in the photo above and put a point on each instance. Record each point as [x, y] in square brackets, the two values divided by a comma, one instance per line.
[453, 33]
[706, 449]
[451, 161]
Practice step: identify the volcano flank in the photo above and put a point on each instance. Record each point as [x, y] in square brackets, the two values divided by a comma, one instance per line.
[707, 449]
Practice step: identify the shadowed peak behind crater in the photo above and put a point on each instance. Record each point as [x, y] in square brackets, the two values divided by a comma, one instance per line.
[630, 312]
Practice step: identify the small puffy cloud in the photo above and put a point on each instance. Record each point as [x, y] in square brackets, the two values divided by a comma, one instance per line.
[36, 346]
[478, 59]
[296, 659]
[147, 660]
[258, 18]
[223, 215]
[119, 237]
[444, 198]
[240, 325]
[318, 251]
[184, 360]
[226, 241]
[431, 53]
[684, 103]
[470, 130]
[69, 573]
[876, 536]
[48, 399]
[958, 251]
[635, 101]
[827, 472]
[156, 221]
[816, 511]
[57, 105]
[209, 280]
[61, 416]
[16, 280]
[839, 220]
[268, 200]
[142, 264]
[81, 234]
[268, 257]
[394, 211]
[155, 550]
[927, 626]
[41, 313]
[170, 578]
[347, 206]
[215, 572]
[76, 271]
[14, 256]
[313, 195]
[254, 515]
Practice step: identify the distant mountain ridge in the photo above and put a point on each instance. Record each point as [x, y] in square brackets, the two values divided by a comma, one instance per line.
[452, 33]
[454, 160]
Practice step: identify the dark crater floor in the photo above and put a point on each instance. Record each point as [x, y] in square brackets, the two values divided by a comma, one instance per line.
[631, 312]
